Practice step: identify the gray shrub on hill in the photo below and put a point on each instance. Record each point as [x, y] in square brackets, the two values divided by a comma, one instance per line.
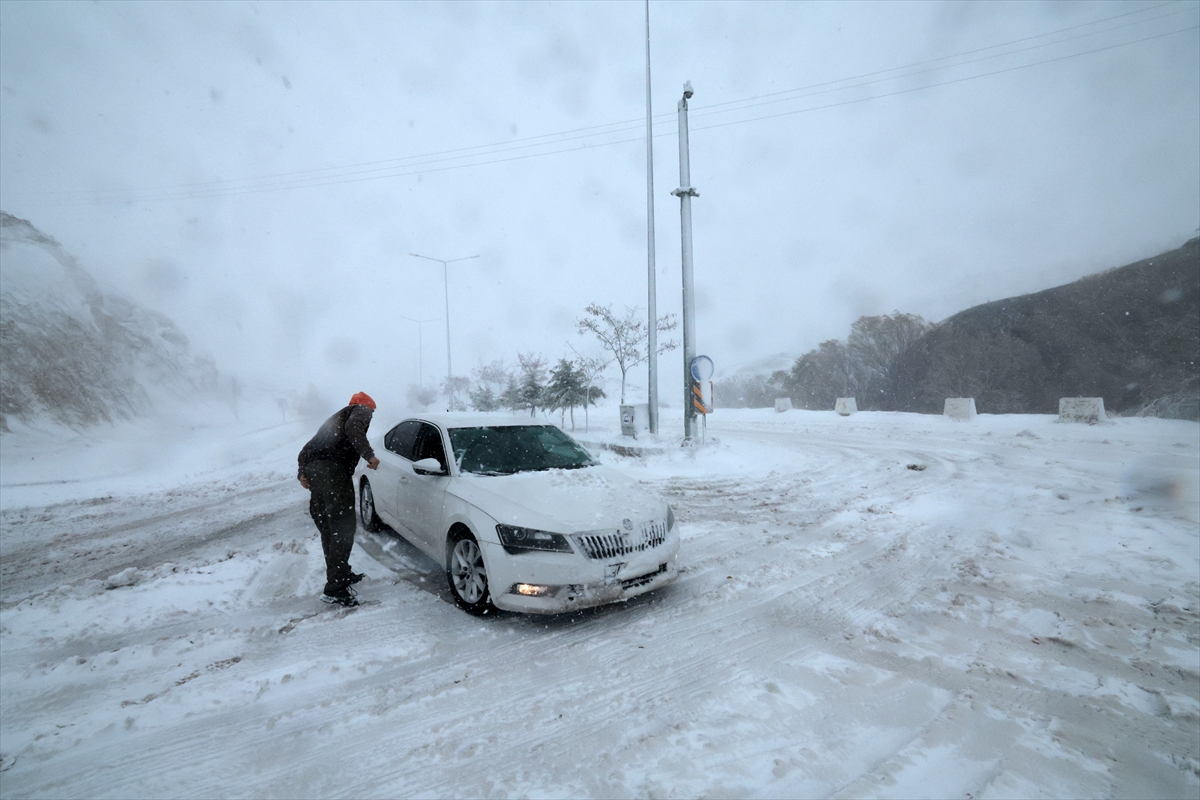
[860, 367]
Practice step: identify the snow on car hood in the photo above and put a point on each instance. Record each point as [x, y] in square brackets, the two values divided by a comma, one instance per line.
[562, 501]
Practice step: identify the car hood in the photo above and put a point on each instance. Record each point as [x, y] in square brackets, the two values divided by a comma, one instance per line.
[561, 501]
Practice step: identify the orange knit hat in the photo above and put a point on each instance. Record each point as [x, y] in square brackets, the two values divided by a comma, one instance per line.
[363, 399]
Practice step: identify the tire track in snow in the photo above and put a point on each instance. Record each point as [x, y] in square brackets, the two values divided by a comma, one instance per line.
[82, 552]
[427, 702]
[563, 638]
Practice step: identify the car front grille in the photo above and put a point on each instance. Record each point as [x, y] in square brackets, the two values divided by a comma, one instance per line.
[622, 543]
[642, 580]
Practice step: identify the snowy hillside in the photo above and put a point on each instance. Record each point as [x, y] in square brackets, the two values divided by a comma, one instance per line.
[884, 605]
[73, 352]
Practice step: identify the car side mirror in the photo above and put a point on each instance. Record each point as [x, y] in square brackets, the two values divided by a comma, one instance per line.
[428, 466]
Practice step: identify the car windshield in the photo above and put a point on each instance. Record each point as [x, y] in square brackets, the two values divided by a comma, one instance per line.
[508, 449]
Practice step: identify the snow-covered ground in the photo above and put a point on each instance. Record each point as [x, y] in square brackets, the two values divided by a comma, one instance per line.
[879, 605]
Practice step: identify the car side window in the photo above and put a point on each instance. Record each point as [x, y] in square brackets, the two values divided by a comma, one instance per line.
[429, 445]
[402, 438]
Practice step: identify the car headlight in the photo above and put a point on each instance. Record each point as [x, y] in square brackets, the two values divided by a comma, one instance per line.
[670, 517]
[521, 540]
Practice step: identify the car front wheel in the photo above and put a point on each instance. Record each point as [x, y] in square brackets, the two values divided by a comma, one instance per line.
[366, 508]
[467, 575]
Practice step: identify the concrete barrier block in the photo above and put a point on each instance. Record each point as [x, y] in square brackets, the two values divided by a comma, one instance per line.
[960, 408]
[1081, 409]
[783, 404]
[845, 406]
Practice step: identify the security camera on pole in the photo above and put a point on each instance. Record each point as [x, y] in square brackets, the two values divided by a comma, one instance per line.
[685, 193]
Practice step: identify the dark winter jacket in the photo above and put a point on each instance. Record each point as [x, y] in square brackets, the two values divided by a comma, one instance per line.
[342, 439]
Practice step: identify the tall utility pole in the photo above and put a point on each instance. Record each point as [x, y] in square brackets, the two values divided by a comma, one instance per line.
[685, 193]
[420, 347]
[651, 288]
[446, 277]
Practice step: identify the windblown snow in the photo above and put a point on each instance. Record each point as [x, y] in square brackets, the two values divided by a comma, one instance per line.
[885, 605]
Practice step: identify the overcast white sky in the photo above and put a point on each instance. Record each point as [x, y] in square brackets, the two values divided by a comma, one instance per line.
[250, 168]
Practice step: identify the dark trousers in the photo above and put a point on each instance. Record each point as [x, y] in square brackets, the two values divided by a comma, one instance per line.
[332, 508]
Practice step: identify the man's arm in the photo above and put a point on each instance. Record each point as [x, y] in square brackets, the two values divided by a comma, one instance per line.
[356, 430]
[301, 460]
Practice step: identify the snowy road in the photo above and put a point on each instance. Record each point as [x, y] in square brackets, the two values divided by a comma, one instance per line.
[1016, 614]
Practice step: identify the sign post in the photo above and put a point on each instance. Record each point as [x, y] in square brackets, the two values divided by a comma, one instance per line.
[701, 370]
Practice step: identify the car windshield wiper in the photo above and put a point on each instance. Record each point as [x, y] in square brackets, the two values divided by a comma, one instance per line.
[559, 466]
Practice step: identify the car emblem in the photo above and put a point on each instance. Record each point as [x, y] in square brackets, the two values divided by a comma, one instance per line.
[628, 523]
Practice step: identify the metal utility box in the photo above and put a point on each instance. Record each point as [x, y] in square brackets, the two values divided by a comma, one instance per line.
[635, 419]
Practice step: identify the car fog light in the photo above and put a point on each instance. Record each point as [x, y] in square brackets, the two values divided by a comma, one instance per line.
[533, 590]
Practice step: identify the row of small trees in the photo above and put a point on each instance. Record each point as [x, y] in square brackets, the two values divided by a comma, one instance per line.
[859, 367]
[575, 381]
[533, 385]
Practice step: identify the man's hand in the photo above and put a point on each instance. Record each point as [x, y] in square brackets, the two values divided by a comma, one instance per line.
[304, 482]
[373, 463]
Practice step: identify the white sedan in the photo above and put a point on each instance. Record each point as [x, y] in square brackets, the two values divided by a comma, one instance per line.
[521, 517]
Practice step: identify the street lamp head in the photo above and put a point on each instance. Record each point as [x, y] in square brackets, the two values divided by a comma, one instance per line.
[443, 261]
[687, 90]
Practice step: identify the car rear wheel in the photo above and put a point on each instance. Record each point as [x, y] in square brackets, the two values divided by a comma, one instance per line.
[467, 575]
[366, 508]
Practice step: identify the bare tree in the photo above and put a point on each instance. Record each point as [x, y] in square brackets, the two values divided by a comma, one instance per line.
[235, 391]
[999, 371]
[750, 391]
[495, 375]
[421, 396]
[860, 367]
[820, 376]
[874, 344]
[624, 337]
[456, 387]
[491, 380]
[590, 368]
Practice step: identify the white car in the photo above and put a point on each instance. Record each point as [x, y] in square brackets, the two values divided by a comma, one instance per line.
[521, 518]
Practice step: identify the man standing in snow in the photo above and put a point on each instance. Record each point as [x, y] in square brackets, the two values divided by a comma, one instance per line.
[327, 465]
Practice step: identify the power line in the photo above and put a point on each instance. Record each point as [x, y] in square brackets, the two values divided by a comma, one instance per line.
[834, 87]
[979, 50]
[436, 162]
[295, 179]
[952, 81]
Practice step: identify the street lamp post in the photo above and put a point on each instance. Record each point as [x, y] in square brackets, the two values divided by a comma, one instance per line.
[685, 193]
[420, 347]
[651, 287]
[446, 278]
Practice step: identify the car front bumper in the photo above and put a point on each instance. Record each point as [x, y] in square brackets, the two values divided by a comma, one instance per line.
[558, 584]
